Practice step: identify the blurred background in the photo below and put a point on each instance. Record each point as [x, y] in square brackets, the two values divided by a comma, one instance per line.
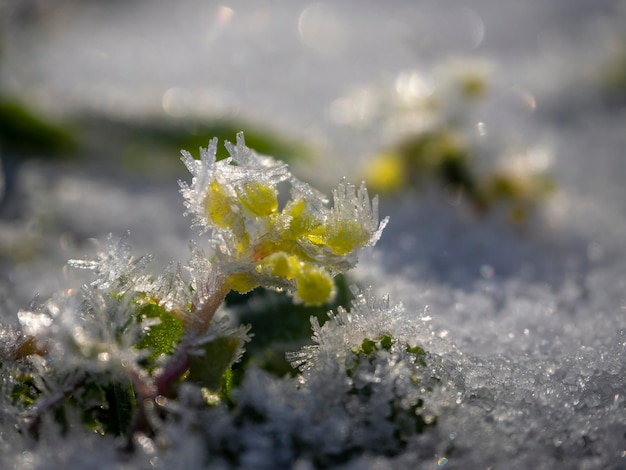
[98, 97]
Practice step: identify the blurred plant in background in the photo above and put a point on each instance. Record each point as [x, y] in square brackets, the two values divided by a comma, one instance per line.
[432, 135]
[611, 76]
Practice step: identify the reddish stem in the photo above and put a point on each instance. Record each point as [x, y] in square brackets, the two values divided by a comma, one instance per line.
[203, 312]
[178, 363]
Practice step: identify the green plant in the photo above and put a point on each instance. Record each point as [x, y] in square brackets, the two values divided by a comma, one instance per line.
[119, 352]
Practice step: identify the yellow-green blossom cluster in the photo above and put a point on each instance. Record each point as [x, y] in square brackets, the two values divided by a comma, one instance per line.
[299, 245]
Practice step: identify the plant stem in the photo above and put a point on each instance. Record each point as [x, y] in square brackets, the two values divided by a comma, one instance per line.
[176, 366]
[52, 402]
[202, 313]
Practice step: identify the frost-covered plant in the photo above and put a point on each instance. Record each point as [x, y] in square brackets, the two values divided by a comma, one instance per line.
[367, 387]
[435, 133]
[384, 373]
[117, 353]
[299, 247]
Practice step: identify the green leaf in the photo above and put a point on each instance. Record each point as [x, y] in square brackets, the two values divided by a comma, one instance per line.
[228, 383]
[24, 391]
[120, 399]
[208, 369]
[368, 346]
[163, 336]
[279, 325]
[107, 406]
[386, 341]
[151, 146]
[419, 353]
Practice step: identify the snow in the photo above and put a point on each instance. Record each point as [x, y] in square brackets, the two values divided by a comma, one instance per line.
[526, 325]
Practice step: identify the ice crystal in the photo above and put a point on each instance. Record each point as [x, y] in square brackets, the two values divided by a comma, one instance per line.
[115, 268]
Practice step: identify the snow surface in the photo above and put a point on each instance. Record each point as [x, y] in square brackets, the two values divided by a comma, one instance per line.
[529, 322]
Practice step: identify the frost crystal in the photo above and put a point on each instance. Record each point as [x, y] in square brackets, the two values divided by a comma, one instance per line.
[370, 317]
[115, 268]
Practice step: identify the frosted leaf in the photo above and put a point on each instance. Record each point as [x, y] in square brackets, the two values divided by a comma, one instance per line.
[115, 268]
[370, 316]
[222, 328]
[9, 341]
[170, 290]
[205, 275]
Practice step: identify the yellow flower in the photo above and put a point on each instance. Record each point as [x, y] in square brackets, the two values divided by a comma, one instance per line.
[279, 265]
[343, 236]
[258, 198]
[221, 208]
[387, 172]
[314, 286]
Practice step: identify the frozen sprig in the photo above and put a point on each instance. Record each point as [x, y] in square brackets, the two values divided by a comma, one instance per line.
[127, 345]
[298, 247]
[370, 316]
